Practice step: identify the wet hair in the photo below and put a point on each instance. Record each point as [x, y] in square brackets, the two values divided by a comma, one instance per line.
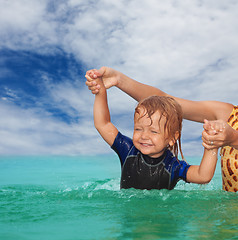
[173, 114]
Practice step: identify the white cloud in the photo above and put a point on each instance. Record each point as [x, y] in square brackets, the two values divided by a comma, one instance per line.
[29, 131]
[187, 48]
[149, 39]
[160, 43]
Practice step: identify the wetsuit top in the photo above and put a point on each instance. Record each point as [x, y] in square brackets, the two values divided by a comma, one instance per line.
[143, 172]
[229, 159]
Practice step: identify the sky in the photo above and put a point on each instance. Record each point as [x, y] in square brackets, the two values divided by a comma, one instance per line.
[187, 48]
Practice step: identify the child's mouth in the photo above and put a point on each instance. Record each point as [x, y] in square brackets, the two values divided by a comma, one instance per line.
[145, 144]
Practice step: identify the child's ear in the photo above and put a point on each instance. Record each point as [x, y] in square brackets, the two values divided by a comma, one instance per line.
[173, 140]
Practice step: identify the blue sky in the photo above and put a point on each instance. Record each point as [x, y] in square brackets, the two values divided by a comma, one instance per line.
[186, 48]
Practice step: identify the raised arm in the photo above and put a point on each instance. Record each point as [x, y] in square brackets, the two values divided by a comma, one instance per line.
[101, 114]
[192, 110]
[203, 173]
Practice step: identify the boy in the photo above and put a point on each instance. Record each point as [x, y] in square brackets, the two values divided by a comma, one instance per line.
[148, 160]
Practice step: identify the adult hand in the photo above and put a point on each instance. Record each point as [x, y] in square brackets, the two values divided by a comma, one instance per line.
[217, 134]
[109, 76]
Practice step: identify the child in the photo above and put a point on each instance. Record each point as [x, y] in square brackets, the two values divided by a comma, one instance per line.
[147, 160]
[221, 113]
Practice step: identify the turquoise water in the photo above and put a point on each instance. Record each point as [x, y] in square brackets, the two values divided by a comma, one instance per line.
[79, 198]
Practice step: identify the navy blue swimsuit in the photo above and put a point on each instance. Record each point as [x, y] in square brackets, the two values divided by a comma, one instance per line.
[142, 172]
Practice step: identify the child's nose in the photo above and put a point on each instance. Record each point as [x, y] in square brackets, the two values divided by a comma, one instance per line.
[144, 135]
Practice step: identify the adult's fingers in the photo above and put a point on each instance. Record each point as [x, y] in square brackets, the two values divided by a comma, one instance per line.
[210, 140]
[209, 147]
[91, 73]
[90, 82]
[94, 73]
[205, 136]
[92, 85]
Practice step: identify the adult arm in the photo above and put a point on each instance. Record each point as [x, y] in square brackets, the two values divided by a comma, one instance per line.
[192, 110]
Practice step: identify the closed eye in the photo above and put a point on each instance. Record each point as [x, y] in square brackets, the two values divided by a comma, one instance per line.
[155, 132]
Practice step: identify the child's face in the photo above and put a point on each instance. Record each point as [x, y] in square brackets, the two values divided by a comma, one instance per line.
[149, 138]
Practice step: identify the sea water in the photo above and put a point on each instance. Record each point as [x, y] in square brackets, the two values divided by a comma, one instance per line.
[80, 198]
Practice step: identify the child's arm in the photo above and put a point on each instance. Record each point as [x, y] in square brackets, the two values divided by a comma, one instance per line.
[101, 114]
[204, 172]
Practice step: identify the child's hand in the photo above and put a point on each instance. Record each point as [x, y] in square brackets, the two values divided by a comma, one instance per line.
[109, 76]
[215, 134]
